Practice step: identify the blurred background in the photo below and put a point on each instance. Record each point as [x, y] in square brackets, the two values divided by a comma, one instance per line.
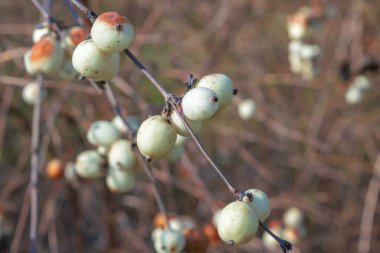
[311, 139]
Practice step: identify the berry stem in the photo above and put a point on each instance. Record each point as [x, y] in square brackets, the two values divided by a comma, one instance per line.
[285, 245]
[77, 19]
[89, 13]
[142, 68]
[35, 150]
[202, 149]
[116, 108]
[45, 15]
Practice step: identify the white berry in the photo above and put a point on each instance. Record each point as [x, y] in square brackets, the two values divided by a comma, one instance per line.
[237, 223]
[67, 71]
[169, 241]
[89, 164]
[156, 137]
[293, 217]
[120, 180]
[93, 63]
[181, 128]
[102, 133]
[200, 103]
[46, 56]
[222, 85]
[259, 203]
[132, 121]
[111, 32]
[120, 155]
[40, 32]
[30, 93]
[247, 109]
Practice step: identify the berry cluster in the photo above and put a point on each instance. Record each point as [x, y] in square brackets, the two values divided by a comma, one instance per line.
[238, 222]
[291, 228]
[158, 134]
[52, 50]
[113, 152]
[182, 233]
[355, 91]
[303, 56]
[98, 58]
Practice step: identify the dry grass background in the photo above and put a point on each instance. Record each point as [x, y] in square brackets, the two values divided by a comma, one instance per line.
[306, 146]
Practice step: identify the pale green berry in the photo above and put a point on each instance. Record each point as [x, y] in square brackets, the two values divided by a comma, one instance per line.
[178, 150]
[111, 32]
[293, 217]
[237, 223]
[296, 31]
[132, 121]
[120, 180]
[291, 234]
[40, 32]
[67, 71]
[120, 155]
[268, 241]
[361, 82]
[222, 85]
[259, 203]
[175, 153]
[181, 223]
[156, 137]
[200, 103]
[30, 69]
[181, 128]
[102, 133]
[69, 171]
[46, 56]
[103, 150]
[93, 63]
[74, 36]
[309, 52]
[181, 140]
[30, 93]
[353, 95]
[247, 109]
[156, 233]
[216, 216]
[169, 241]
[89, 164]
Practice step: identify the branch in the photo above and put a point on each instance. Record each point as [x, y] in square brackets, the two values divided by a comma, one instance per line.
[369, 209]
[35, 165]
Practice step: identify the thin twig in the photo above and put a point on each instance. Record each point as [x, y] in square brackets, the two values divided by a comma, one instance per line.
[45, 15]
[142, 68]
[131, 133]
[369, 209]
[204, 152]
[90, 15]
[35, 165]
[75, 16]
[285, 245]
[21, 221]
